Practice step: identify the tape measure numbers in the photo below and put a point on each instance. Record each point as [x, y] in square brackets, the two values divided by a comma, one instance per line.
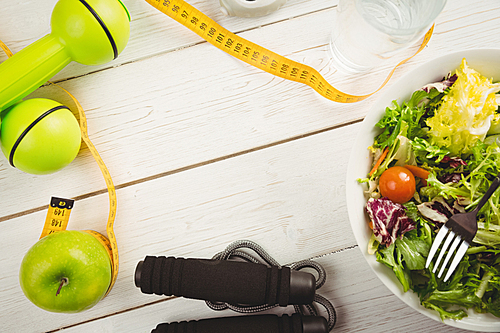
[251, 53]
[110, 242]
[258, 56]
[57, 216]
[60, 209]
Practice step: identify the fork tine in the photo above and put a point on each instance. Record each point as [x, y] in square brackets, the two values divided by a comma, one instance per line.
[435, 245]
[452, 249]
[456, 260]
[447, 242]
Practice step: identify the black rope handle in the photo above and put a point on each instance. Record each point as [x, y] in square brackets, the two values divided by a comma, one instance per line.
[232, 251]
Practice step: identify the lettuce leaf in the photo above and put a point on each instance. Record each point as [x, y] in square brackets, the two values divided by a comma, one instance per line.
[461, 297]
[493, 307]
[427, 153]
[413, 250]
[488, 235]
[406, 121]
[401, 120]
[466, 112]
[394, 260]
[455, 314]
[405, 255]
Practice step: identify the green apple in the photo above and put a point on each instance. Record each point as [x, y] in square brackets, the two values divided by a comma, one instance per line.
[67, 271]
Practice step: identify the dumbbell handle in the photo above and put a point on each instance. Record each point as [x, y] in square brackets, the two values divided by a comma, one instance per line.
[30, 68]
[90, 33]
[249, 324]
[233, 282]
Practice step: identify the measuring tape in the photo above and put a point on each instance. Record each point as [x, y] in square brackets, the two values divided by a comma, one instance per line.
[110, 242]
[59, 209]
[258, 56]
[230, 43]
[57, 216]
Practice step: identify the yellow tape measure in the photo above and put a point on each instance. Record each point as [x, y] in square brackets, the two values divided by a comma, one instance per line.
[258, 56]
[251, 53]
[59, 209]
[109, 243]
[57, 216]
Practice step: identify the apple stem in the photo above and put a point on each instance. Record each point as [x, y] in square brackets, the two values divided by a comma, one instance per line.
[64, 281]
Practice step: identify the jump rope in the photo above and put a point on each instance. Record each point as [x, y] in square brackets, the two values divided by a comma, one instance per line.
[240, 281]
[151, 274]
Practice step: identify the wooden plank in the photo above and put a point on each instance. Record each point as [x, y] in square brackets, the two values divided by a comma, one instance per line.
[198, 104]
[276, 197]
[151, 32]
[199, 168]
[357, 294]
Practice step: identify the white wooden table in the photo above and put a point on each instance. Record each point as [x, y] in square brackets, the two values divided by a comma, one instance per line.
[205, 150]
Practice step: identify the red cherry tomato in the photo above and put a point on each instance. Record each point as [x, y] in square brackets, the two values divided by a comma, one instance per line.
[398, 184]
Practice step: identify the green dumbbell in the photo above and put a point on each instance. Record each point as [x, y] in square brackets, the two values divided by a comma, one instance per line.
[40, 136]
[90, 32]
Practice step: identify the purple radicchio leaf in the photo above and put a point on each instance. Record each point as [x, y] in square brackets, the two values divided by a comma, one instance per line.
[389, 220]
[439, 211]
[450, 80]
[453, 162]
[442, 85]
[451, 178]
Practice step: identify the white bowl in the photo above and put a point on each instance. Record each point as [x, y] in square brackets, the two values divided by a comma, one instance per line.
[486, 62]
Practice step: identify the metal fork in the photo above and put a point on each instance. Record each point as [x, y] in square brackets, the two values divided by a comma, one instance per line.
[464, 227]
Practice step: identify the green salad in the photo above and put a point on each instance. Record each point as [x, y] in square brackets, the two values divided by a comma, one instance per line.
[436, 155]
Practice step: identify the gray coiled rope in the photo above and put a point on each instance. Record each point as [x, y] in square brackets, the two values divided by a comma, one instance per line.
[232, 251]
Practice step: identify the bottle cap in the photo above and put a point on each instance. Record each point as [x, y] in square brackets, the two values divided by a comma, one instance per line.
[250, 8]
